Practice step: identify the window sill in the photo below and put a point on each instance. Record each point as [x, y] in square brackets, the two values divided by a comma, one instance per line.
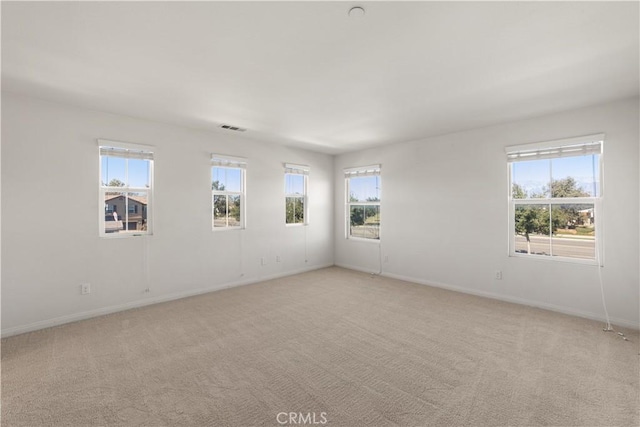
[362, 239]
[226, 229]
[123, 235]
[548, 258]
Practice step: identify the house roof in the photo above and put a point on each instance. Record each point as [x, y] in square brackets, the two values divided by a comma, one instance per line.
[140, 199]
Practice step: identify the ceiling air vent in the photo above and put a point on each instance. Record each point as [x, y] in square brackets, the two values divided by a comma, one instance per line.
[235, 128]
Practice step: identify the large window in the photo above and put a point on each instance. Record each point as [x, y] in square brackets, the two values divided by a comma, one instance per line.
[363, 202]
[126, 180]
[227, 192]
[295, 193]
[554, 199]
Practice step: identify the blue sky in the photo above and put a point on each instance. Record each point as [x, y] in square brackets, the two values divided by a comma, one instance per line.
[231, 178]
[114, 168]
[535, 174]
[365, 187]
[293, 184]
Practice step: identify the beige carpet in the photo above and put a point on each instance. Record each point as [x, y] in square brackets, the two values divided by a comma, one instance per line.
[366, 351]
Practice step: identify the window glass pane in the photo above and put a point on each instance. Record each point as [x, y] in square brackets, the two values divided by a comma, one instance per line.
[294, 210]
[136, 218]
[574, 233]
[114, 212]
[226, 179]
[219, 210]
[365, 221]
[575, 176]
[113, 171]
[531, 179]
[138, 173]
[532, 229]
[364, 189]
[234, 211]
[293, 184]
[125, 211]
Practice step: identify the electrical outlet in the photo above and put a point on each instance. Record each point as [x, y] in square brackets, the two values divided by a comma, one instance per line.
[263, 261]
[85, 288]
[278, 259]
[498, 275]
[386, 258]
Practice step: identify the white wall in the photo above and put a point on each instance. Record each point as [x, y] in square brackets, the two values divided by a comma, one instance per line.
[50, 242]
[444, 215]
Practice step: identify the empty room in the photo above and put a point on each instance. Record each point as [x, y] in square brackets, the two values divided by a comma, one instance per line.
[320, 213]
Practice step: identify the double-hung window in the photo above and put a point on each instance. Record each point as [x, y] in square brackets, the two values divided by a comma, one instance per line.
[555, 191]
[126, 184]
[362, 185]
[228, 192]
[295, 193]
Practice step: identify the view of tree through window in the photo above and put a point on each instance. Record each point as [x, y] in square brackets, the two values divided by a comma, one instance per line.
[227, 191]
[554, 204]
[363, 204]
[295, 195]
[125, 185]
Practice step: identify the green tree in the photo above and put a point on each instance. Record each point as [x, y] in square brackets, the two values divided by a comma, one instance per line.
[294, 210]
[234, 209]
[220, 206]
[566, 187]
[517, 192]
[357, 215]
[564, 216]
[219, 201]
[529, 219]
[115, 182]
[547, 219]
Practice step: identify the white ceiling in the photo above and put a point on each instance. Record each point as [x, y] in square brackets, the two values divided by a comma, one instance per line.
[305, 74]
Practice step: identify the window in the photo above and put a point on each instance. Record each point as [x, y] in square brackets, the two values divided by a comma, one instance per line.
[126, 176]
[227, 190]
[554, 199]
[295, 193]
[363, 202]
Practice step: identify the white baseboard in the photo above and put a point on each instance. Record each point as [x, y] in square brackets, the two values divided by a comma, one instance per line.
[16, 330]
[506, 298]
[362, 270]
[57, 321]
[516, 300]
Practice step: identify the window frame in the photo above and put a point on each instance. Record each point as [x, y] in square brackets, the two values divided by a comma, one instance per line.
[303, 170]
[359, 172]
[547, 149]
[230, 162]
[128, 148]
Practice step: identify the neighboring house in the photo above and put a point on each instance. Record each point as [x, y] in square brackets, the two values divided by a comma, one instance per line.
[133, 217]
[586, 215]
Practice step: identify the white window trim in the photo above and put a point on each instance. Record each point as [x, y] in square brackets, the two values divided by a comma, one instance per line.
[231, 162]
[294, 169]
[543, 149]
[103, 189]
[355, 172]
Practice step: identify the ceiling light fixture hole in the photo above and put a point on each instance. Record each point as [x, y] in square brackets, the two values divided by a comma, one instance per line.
[356, 12]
